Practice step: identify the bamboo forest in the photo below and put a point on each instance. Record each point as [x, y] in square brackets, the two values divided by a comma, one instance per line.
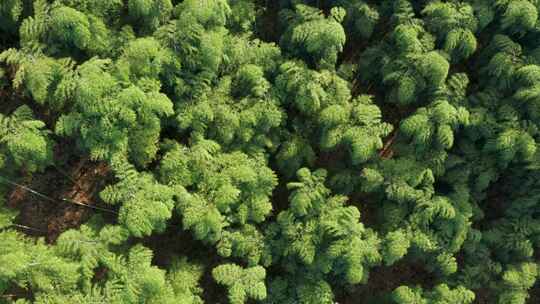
[270, 151]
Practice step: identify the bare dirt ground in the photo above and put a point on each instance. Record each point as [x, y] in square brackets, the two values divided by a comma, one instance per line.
[57, 211]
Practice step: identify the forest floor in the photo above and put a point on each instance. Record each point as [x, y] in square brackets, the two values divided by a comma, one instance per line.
[60, 198]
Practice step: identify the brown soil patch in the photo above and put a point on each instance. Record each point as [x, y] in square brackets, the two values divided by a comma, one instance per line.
[50, 215]
[331, 159]
[14, 293]
[387, 151]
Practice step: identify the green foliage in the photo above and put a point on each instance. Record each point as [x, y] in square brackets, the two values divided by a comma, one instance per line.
[435, 125]
[240, 112]
[209, 13]
[245, 118]
[328, 116]
[33, 266]
[24, 141]
[244, 50]
[142, 58]
[357, 125]
[418, 221]
[310, 91]
[293, 154]
[407, 63]
[245, 15]
[314, 37]
[440, 294]
[70, 27]
[3, 80]
[149, 14]
[518, 279]
[128, 118]
[518, 16]
[220, 196]
[10, 14]
[184, 279]
[320, 236]
[58, 29]
[90, 247]
[512, 144]
[455, 25]
[197, 38]
[361, 18]
[250, 80]
[46, 80]
[395, 247]
[141, 281]
[302, 289]
[146, 204]
[130, 277]
[99, 8]
[242, 283]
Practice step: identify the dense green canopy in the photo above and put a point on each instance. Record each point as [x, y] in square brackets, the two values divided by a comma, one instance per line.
[278, 152]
